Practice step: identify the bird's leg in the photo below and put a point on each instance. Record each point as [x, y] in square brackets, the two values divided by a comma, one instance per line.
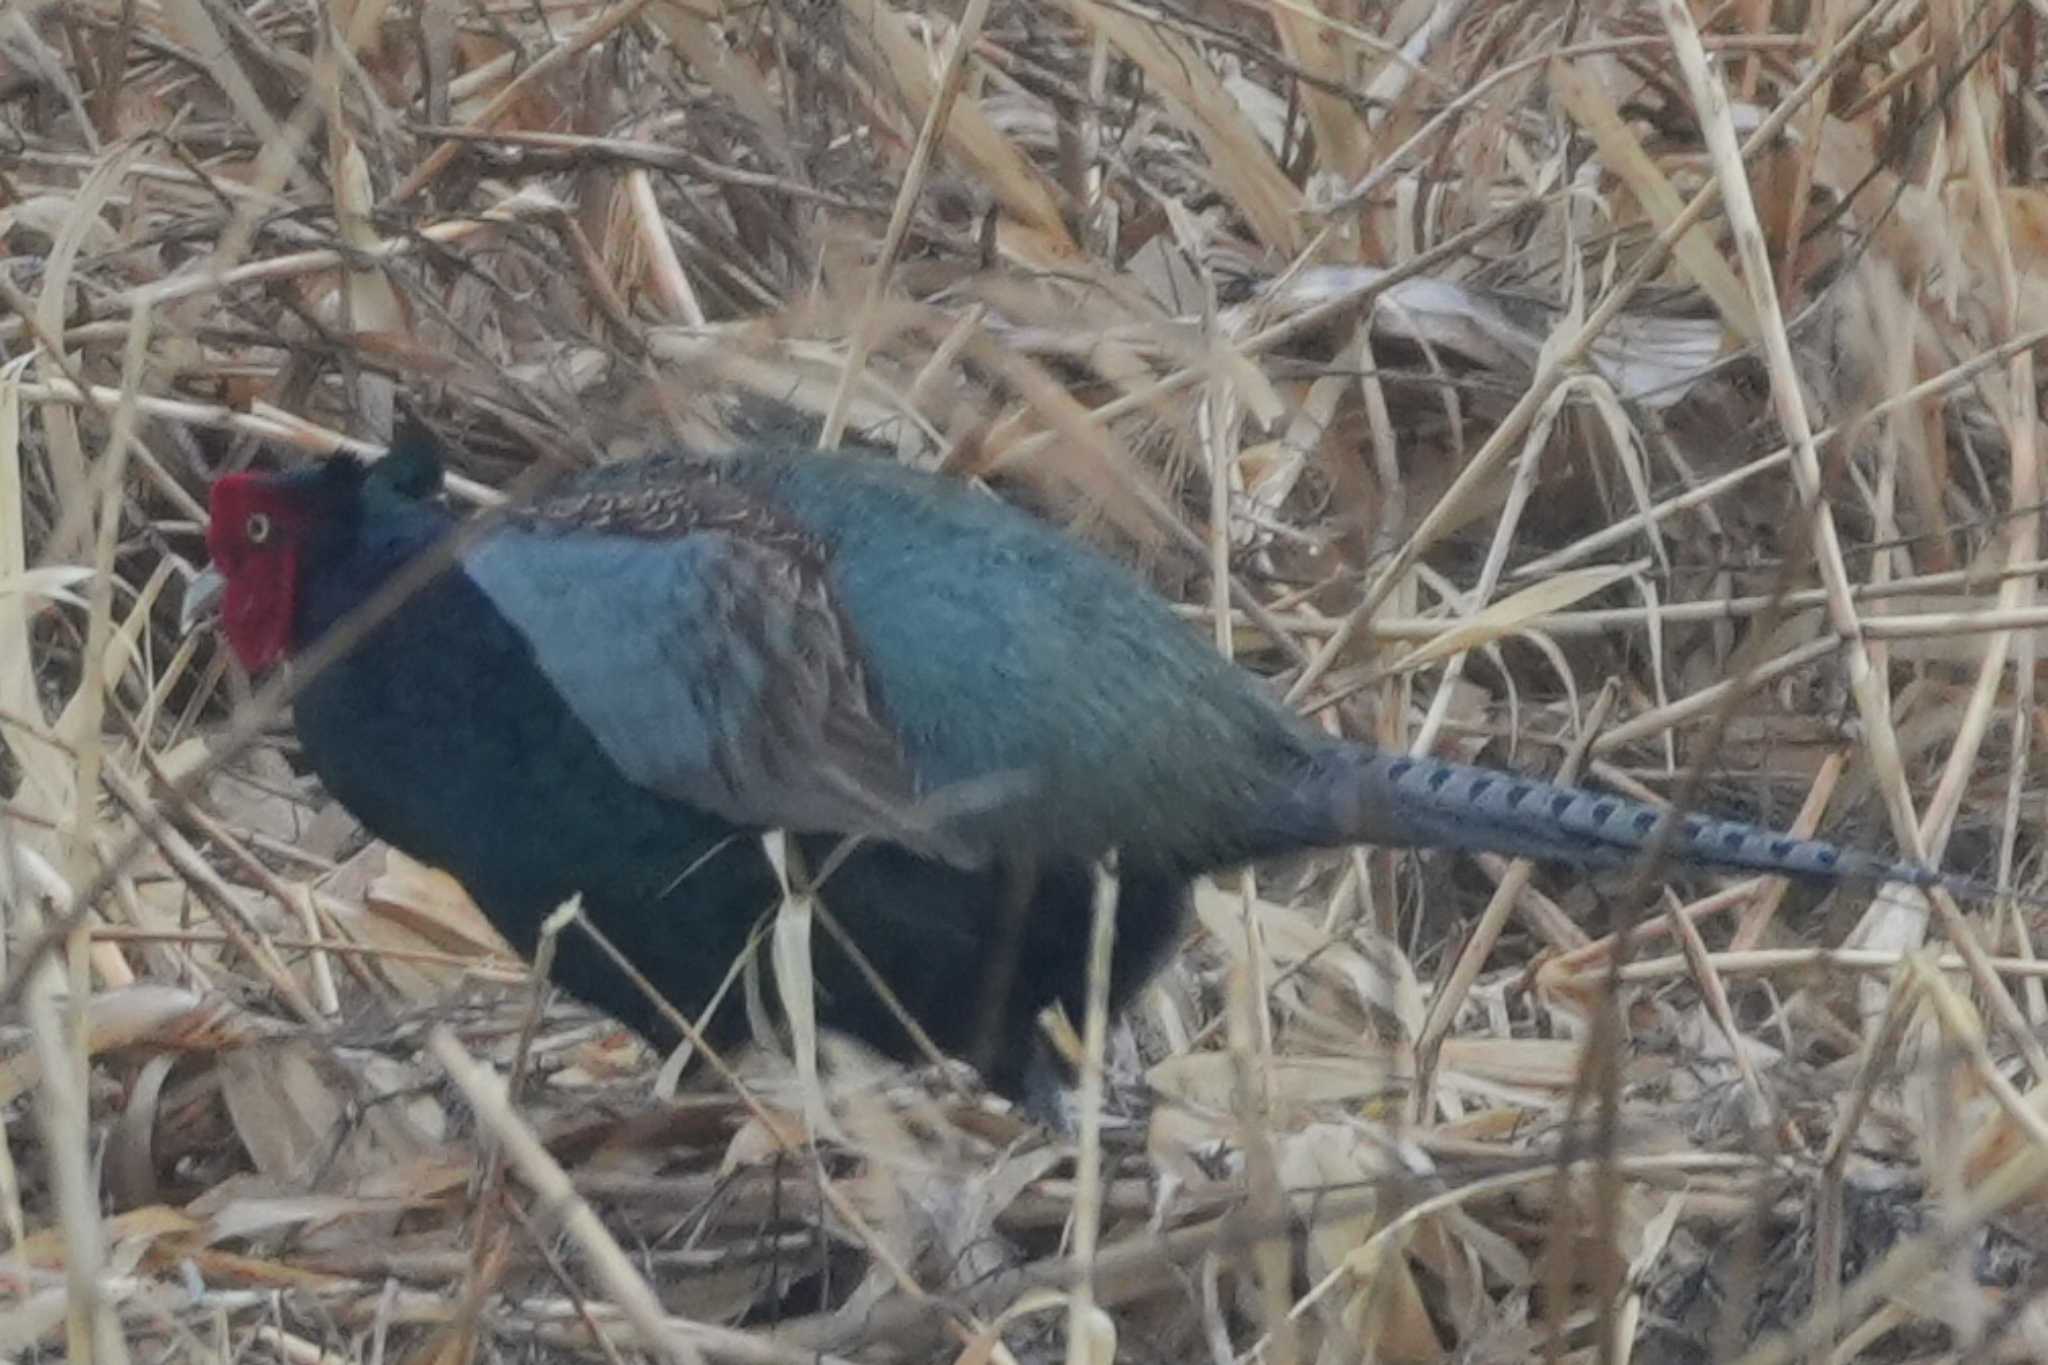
[1047, 1095]
[999, 965]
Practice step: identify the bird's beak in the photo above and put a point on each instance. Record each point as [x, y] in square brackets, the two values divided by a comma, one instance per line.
[202, 600]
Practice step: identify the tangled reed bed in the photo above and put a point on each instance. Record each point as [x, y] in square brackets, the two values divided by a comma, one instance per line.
[1647, 393]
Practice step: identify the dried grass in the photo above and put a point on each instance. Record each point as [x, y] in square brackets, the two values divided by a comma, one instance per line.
[1644, 392]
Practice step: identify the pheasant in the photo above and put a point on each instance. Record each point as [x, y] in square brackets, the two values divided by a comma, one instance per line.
[616, 686]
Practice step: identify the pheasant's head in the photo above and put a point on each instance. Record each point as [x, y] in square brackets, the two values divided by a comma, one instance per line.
[270, 530]
[261, 529]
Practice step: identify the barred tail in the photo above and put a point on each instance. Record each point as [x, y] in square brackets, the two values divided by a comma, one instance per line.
[1366, 796]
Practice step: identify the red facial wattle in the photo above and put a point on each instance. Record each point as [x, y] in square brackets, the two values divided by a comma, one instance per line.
[256, 616]
[262, 579]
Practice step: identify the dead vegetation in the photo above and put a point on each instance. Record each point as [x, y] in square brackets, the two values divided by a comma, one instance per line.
[1645, 392]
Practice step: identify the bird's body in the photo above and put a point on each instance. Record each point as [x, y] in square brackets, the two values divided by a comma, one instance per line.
[614, 690]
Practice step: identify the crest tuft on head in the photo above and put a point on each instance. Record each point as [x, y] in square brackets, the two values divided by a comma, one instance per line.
[413, 466]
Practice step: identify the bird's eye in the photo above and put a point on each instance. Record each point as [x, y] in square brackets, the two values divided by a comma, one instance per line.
[257, 528]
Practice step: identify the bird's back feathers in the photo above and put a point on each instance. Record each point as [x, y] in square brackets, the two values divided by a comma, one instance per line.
[1001, 645]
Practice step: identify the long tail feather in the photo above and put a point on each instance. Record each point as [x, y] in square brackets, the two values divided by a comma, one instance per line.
[1393, 799]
